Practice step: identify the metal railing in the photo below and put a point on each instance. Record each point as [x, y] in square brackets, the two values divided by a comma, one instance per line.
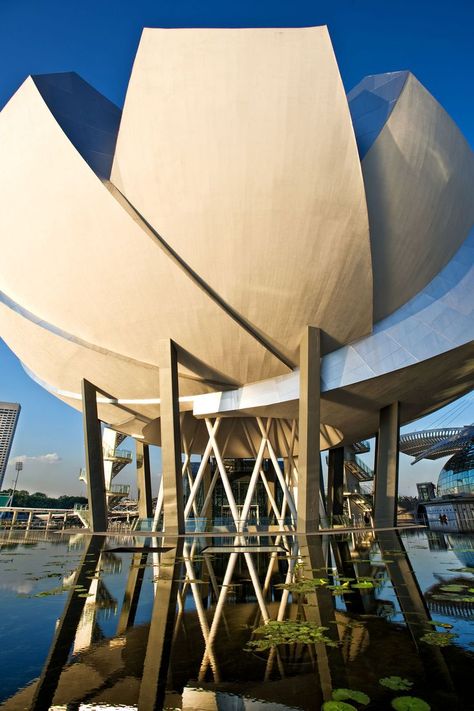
[359, 469]
[123, 489]
[111, 453]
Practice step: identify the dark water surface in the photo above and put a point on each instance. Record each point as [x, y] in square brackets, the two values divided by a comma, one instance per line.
[129, 622]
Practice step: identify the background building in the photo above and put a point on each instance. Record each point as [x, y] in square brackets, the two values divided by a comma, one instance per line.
[452, 509]
[457, 475]
[9, 413]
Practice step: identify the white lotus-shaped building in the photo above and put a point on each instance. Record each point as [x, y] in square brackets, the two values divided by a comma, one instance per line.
[239, 198]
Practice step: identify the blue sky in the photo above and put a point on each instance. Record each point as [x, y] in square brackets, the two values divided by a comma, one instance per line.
[98, 39]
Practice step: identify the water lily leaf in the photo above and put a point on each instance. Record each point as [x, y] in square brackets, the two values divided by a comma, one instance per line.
[410, 703]
[276, 632]
[365, 585]
[337, 706]
[453, 588]
[435, 623]
[438, 639]
[353, 695]
[396, 683]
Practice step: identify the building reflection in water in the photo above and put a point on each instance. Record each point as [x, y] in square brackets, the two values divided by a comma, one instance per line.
[209, 596]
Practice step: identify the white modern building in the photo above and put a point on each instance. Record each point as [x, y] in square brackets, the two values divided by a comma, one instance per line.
[9, 413]
[243, 262]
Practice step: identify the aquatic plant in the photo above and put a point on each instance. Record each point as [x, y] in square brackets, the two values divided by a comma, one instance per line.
[453, 588]
[438, 639]
[396, 683]
[275, 633]
[352, 694]
[337, 706]
[410, 703]
[304, 585]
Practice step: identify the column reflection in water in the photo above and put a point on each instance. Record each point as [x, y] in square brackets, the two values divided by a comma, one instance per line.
[207, 602]
[160, 636]
[132, 591]
[414, 608]
[67, 628]
[304, 559]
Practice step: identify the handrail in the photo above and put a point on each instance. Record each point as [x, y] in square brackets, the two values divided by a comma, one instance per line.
[112, 453]
[119, 489]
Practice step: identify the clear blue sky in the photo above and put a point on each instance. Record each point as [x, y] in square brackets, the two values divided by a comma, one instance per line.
[98, 39]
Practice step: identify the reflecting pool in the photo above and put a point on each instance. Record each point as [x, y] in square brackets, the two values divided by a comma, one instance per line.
[239, 622]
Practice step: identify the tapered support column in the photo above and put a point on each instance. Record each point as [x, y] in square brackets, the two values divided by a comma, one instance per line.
[173, 507]
[386, 467]
[94, 459]
[335, 503]
[272, 491]
[142, 456]
[206, 511]
[308, 428]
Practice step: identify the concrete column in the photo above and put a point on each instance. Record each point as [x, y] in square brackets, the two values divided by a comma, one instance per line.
[173, 507]
[308, 429]
[94, 459]
[386, 467]
[272, 489]
[335, 502]
[30, 519]
[206, 485]
[142, 457]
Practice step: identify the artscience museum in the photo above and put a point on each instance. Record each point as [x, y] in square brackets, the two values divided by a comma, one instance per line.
[244, 262]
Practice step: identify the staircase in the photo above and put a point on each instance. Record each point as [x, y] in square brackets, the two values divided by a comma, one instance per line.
[358, 469]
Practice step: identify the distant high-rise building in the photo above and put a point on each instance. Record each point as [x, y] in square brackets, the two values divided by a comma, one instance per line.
[9, 412]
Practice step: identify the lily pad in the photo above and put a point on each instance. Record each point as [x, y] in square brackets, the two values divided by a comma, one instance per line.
[453, 588]
[337, 706]
[352, 694]
[396, 683]
[410, 703]
[275, 633]
[438, 639]
[435, 623]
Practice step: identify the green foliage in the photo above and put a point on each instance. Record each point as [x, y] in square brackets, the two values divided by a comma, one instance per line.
[364, 585]
[303, 586]
[438, 639]
[410, 703]
[435, 623]
[40, 500]
[453, 588]
[337, 706]
[396, 683]
[344, 694]
[275, 633]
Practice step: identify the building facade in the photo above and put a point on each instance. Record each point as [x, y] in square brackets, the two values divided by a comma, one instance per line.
[9, 413]
[302, 261]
